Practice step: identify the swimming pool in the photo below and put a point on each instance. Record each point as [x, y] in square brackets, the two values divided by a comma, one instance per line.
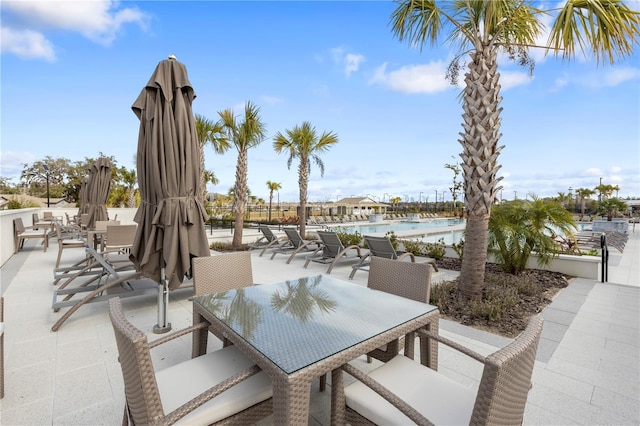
[451, 230]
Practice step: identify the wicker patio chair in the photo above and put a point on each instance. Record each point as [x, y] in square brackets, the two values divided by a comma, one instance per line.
[1, 347]
[224, 272]
[23, 233]
[66, 241]
[405, 279]
[380, 247]
[221, 387]
[332, 250]
[434, 398]
[296, 245]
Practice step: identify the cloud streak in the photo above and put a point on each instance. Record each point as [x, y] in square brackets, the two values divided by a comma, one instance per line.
[25, 24]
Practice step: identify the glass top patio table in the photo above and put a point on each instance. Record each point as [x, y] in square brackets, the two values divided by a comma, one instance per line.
[300, 329]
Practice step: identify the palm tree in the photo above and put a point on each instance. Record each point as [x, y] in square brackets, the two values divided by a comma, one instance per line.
[483, 29]
[130, 179]
[244, 134]
[518, 228]
[562, 198]
[583, 194]
[303, 143]
[209, 132]
[273, 186]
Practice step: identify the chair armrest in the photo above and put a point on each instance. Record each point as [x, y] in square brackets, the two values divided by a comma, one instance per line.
[358, 248]
[460, 348]
[178, 333]
[410, 255]
[196, 402]
[384, 392]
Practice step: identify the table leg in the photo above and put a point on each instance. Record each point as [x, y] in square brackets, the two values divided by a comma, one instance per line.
[338, 401]
[200, 337]
[291, 401]
[429, 347]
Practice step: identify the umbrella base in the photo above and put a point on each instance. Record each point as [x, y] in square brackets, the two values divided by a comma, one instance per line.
[158, 329]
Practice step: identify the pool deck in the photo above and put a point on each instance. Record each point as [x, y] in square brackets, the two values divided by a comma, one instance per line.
[586, 372]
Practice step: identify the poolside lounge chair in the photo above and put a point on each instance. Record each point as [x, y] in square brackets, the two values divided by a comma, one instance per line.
[296, 245]
[332, 250]
[22, 233]
[223, 386]
[223, 272]
[110, 273]
[434, 398]
[382, 247]
[267, 240]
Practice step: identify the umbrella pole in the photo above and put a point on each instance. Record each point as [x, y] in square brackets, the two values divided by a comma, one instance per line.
[163, 303]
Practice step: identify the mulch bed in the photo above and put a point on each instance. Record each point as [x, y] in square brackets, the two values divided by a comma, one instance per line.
[541, 287]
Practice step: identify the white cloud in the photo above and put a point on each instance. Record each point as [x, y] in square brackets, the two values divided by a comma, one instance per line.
[98, 21]
[26, 44]
[594, 171]
[510, 79]
[616, 169]
[427, 78]
[352, 62]
[611, 77]
[11, 163]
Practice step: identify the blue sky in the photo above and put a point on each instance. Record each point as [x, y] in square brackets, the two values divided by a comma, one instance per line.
[71, 71]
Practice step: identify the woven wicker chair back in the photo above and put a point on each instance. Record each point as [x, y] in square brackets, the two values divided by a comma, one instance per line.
[405, 279]
[223, 272]
[506, 379]
[140, 386]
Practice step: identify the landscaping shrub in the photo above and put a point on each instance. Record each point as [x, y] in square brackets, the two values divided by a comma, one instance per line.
[436, 250]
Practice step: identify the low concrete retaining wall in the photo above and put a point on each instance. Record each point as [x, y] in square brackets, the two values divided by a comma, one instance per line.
[577, 266]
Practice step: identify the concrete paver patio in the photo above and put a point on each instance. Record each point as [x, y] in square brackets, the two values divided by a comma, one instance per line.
[587, 369]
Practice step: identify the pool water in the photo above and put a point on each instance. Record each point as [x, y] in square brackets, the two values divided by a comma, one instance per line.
[451, 230]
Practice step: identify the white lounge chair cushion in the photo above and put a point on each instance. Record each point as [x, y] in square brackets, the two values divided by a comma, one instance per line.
[180, 383]
[34, 232]
[72, 241]
[440, 399]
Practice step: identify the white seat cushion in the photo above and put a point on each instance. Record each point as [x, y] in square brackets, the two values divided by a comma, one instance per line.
[33, 232]
[441, 400]
[180, 383]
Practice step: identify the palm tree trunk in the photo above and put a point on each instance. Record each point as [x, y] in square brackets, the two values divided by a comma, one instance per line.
[303, 181]
[270, 201]
[480, 153]
[240, 199]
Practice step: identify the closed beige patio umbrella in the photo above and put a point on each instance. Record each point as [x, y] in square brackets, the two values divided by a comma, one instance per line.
[82, 197]
[97, 191]
[170, 217]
